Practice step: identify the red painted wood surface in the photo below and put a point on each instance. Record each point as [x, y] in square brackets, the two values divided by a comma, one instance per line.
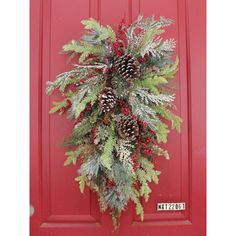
[60, 209]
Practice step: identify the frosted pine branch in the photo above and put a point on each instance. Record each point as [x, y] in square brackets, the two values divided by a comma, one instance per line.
[123, 152]
[98, 65]
[101, 134]
[168, 45]
[163, 21]
[64, 79]
[165, 98]
[148, 97]
[90, 167]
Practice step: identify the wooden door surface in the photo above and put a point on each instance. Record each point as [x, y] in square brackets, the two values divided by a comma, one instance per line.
[59, 207]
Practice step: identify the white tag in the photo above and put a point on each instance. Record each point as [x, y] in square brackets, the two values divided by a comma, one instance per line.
[174, 206]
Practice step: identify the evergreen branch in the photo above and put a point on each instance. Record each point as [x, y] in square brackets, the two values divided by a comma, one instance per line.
[71, 157]
[167, 114]
[85, 96]
[91, 24]
[146, 174]
[151, 82]
[101, 134]
[84, 48]
[139, 208]
[163, 21]
[108, 166]
[82, 181]
[95, 66]
[145, 42]
[108, 148]
[161, 132]
[79, 133]
[102, 32]
[124, 150]
[65, 79]
[82, 128]
[148, 39]
[151, 173]
[81, 106]
[144, 189]
[151, 47]
[143, 111]
[149, 115]
[168, 45]
[78, 97]
[59, 107]
[90, 167]
[148, 97]
[161, 152]
[169, 71]
[94, 116]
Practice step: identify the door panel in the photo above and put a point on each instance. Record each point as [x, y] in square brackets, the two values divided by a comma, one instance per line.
[60, 209]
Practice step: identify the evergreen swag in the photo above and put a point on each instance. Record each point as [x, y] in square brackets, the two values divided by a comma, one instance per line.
[118, 96]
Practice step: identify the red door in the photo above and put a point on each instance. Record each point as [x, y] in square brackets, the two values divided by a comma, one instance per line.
[59, 207]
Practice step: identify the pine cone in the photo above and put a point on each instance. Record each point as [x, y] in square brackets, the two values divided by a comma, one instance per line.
[128, 128]
[107, 100]
[128, 67]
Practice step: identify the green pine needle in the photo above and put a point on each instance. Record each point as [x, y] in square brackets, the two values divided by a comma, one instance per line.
[59, 107]
[103, 32]
[106, 156]
[167, 114]
[82, 182]
[72, 157]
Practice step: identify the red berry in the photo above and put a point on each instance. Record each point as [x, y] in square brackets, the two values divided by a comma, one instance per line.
[107, 70]
[125, 111]
[140, 120]
[134, 157]
[144, 145]
[94, 130]
[91, 140]
[121, 103]
[137, 151]
[81, 115]
[144, 124]
[148, 140]
[150, 152]
[145, 151]
[88, 107]
[117, 47]
[134, 116]
[110, 183]
[82, 81]
[151, 131]
[68, 102]
[136, 166]
[155, 156]
[61, 110]
[80, 118]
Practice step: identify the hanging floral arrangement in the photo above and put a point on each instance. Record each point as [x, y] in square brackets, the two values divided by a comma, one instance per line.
[118, 97]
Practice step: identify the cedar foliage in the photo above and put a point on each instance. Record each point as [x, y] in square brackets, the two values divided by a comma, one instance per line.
[118, 168]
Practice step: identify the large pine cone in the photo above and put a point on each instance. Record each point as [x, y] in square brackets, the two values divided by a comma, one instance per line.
[107, 100]
[128, 128]
[128, 67]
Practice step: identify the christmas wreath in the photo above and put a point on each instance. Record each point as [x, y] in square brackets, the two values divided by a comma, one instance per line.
[118, 96]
